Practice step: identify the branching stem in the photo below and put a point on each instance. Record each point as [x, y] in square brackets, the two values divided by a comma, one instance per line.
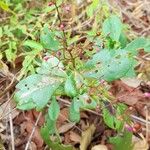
[65, 44]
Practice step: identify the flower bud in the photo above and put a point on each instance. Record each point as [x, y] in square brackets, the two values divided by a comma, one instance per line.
[147, 94]
[128, 127]
[46, 58]
[50, 3]
[62, 26]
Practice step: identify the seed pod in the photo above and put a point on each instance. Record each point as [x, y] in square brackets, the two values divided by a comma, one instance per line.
[137, 127]
[98, 33]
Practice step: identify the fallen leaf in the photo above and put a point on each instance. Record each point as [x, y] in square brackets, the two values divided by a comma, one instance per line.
[41, 120]
[130, 98]
[126, 94]
[4, 110]
[132, 82]
[75, 137]
[140, 144]
[64, 128]
[33, 146]
[63, 116]
[99, 147]
[37, 139]
[87, 137]
[4, 69]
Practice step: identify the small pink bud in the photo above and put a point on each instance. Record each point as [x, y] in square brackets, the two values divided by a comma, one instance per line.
[128, 127]
[61, 26]
[46, 58]
[59, 53]
[102, 81]
[50, 3]
[67, 8]
[147, 94]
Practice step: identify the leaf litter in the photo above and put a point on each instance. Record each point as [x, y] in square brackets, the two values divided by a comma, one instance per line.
[83, 134]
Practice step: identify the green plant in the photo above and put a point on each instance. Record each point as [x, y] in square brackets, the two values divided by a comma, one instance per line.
[62, 72]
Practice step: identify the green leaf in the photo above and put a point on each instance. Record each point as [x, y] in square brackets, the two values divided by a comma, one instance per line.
[27, 106]
[54, 110]
[52, 67]
[123, 142]
[84, 98]
[112, 26]
[147, 46]
[74, 110]
[48, 40]
[70, 87]
[110, 114]
[92, 8]
[33, 44]
[139, 43]
[5, 7]
[1, 32]
[52, 144]
[123, 40]
[51, 125]
[27, 63]
[37, 89]
[11, 52]
[110, 65]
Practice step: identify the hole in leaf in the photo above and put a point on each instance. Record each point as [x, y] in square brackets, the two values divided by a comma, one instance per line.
[89, 101]
[118, 57]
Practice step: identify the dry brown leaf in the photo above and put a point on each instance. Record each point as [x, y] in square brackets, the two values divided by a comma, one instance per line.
[126, 94]
[87, 137]
[63, 116]
[132, 82]
[33, 146]
[140, 144]
[66, 127]
[41, 120]
[99, 147]
[75, 137]
[37, 139]
[4, 110]
[4, 68]
[2, 127]
[130, 98]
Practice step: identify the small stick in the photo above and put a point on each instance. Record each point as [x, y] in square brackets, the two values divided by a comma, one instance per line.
[140, 119]
[147, 126]
[8, 113]
[33, 130]
[11, 126]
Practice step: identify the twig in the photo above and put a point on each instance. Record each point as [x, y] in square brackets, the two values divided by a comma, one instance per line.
[11, 125]
[147, 125]
[6, 104]
[11, 129]
[140, 119]
[11, 85]
[65, 44]
[8, 113]
[33, 130]
[64, 35]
